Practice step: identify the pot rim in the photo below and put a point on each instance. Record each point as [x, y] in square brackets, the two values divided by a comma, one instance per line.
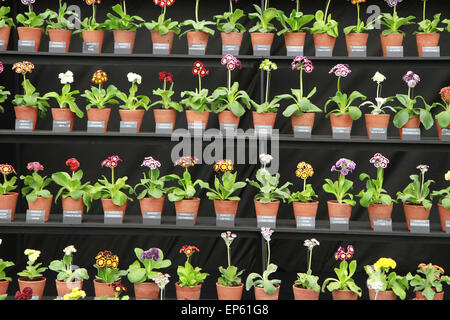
[40, 279]
[232, 287]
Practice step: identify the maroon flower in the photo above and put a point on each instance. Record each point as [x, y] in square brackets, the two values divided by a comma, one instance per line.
[73, 163]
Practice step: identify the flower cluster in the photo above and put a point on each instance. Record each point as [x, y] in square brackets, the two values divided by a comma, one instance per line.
[424, 266]
[107, 259]
[268, 65]
[343, 255]
[76, 294]
[134, 77]
[310, 244]
[266, 233]
[161, 280]
[118, 287]
[231, 62]
[378, 77]
[73, 163]
[447, 176]
[379, 161]
[224, 165]
[186, 161]
[357, 1]
[393, 3]
[35, 166]
[445, 94]
[265, 158]
[302, 63]
[23, 67]
[68, 251]
[111, 162]
[377, 285]
[27, 2]
[166, 77]
[27, 294]
[151, 163]
[6, 169]
[99, 77]
[411, 79]
[304, 170]
[2, 68]
[66, 77]
[32, 254]
[189, 250]
[344, 166]
[92, 2]
[153, 253]
[228, 237]
[199, 69]
[164, 3]
[386, 263]
[340, 70]
[422, 168]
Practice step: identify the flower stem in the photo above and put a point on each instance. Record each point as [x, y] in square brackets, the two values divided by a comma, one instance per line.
[267, 86]
[298, 6]
[229, 80]
[197, 3]
[229, 255]
[266, 5]
[301, 82]
[357, 23]
[326, 10]
[231, 6]
[310, 259]
[339, 84]
[268, 253]
[164, 85]
[199, 83]
[424, 9]
[124, 7]
[112, 175]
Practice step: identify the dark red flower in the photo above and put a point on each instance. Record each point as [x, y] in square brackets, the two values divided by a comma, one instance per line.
[166, 76]
[73, 163]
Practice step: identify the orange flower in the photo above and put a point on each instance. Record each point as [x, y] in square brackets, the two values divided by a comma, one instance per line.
[224, 165]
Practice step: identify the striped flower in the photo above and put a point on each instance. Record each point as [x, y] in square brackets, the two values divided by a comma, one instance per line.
[224, 166]
[186, 161]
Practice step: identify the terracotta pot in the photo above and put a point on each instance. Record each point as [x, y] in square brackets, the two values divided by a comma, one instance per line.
[108, 205]
[4, 286]
[227, 116]
[37, 285]
[42, 204]
[192, 116]
[188, 206]
[293, 39]
[146, 290]
[165, 116]
[267, 209]
[264, 119]
[437, 295]
[103, 289]
[376, 121]
[304, 294]
[414, 122]
[198, 37]
[379, 211]
[125, 36]
[415, 212]
[64, 288]
[356, 39]
[229, 293]
[35, 34]
[95, 114]
[94, 36]
[232, 38]
[391, 40]
[26, 113]
[343, 120]
[152, 204]
[226, 206]
[426, 40]
[133, 115]
[344, 295]
[69, 204]
[336, 209]
[382, 295]
[303, 120]
[439, 130]
[167, 38]
[261, 295]
[444, 214]
[188, 293]
[4, 35]
[259, 38]
[63, 114]
[61, 36]
[324, 40]
[9, 201]
[305, 209]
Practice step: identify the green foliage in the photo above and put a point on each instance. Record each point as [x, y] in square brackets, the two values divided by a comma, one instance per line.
[139, 274]
[391, 281]
[265, 107]
[32, 20]
[409, 110]
[229, 99]
[66, 99]
[229, 277]
[8, 185]
[393, 22]
[65, 270]
[72, 187]
[99, 98]
[3, 97]
[379, 107]
[447, 22]
[307, 281]
[186, 189]
[163, 25]
[112, 190]
[324, 25]
[263, 281]
[166, 99]
[442, 118]
[32, 271]
[230, 23]
[196, 100]
[197, 26]
[268, 187]
[431, 284]
[360, 25]
[344, 103]
[374, 193]
[430, 26]
[306, 195]
[57, 20]
[190, 276]
[340, 189]
[123, 21]
[153, 185]
[131, 101]
[225, 187]
[31, 98]
[294, 23]
[109, 274]
[416, 192]
[301, 104]
[3, 265]
[264, 16]
[444, 197]
[35, 186]
[4, 19]
[344, 279]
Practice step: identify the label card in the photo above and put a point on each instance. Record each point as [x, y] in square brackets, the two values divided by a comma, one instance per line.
[196, 127]
[57, 47]
[324, 51]
[5, 215]
[113, 217]
[294, 51]
[161, 48]
[2, 45]
[185, 219]
[431, 52]
[263, 130]
[358, 51]
[96, 126]
[261, 50]
[266, 221]
[197, 49]
[35, 298]
[419, 226]
[26, 45]
[378, 133]
[382, 225]
[339, 224]
[445, 134]
[306, 223]
[24, 125]
[341, 132]
[394, 51]
[128, 126]
[303, 132]
[411, 134]
[35, 216]
[72, 217]
[228, 127]
[122, 48]
[225, 220]
[151, 218]
[91, 47]
[232, 49]
[61, 125]
[164, 127]
[447, 226]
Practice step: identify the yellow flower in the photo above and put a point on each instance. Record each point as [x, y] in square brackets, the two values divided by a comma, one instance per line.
[385, 263]
[447, 176]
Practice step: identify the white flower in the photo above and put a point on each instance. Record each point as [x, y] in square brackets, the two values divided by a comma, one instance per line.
[380, 101]
[377, 285]
[423, 168]
[132, 77]
[265, 158]
[66, 77]
[378, 77]
[266, 233]
[447, 178]
[69, 250]
[1, 241]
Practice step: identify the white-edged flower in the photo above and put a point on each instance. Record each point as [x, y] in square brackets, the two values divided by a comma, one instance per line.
[423, 168]
[376, 285]
[69, 250]
[66, 77]
[378, 77]
[134, 77]
[265, 158]
[266, 233]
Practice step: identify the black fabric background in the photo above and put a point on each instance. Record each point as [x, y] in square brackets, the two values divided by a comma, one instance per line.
[288, 254]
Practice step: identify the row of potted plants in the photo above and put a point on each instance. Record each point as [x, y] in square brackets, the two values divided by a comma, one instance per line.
[151, 191]
[149, 282]
[228, 102]
[324, 29]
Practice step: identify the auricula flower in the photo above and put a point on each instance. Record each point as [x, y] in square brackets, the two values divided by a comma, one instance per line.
[344, 166]
[411, 79]
[265, 158]
[186, 161]
[378, 77]
[379, 161]
[228, 237]
[99, 77]
[151, 163]
[69, 250]
[377, 285]
[311, 243]
[224, 165]
[164, 3]
[23, 67]
[423, 168]
[266, 233]
[161, 280]
[66, 78]
[231, 62]
[199, 69]
[134, 77]
[35, 166]
[268, 65]
[153, 253]
[6, 169]
[304, 170]
[111, 162]
[27, 2]
[302, 63]
[447, 176]
[340, 70]
[393, 3]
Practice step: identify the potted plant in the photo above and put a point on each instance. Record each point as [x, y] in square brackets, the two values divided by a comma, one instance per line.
[113, 198]
[37, 196]
[428, 34]
[415, 200]
[302, 111]
[344, 287]
[325, 29]
[378, 118]
[392, 36]
[265, 288]
[58, 27]
[6, 23]
[4, 280]
[131, 102]
[303, 201]
[444, 203]
[163, 30]
[227, 101]
[28, 105]
[385, 285]
[222, 194]
[342, 206]
[161, 280]
[428, 287]
[32, 276]
[91, 30]
[231, 31]
[306, 286]
[99, 98]
[375, 198]
[143, 270]
[75, 294]
[191, 279]
[8, 198]
[196, 102]
[229, 285]
[262, 32]
[31, 24]
[66, 101]
[75, 194]
[267, 201]
[443, 118]
[108, 272]
[199, 32]
[69, 276]
[345, 113]
[3, 93]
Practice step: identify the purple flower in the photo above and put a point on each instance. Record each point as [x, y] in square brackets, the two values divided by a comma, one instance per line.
[151, 163]
[411, 79]
[340, 70]
[379, 161]
[153, 253]
[393, 3]
[344, 166]
[302, 63]
[344, 171]
[1, 67]
[27, 2]
[231, 62]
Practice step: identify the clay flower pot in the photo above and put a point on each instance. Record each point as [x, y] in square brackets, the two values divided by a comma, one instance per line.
[26, 113]
[4, 35]
[9, 202]
[444, 214]
[198, 37]
[426, 40]
[94, 36]
[382, 295]
[376, 121]
[192, 116]
[188, 293]
[63, 114]
[437, 295]
[261, 295]
[229, 293]
[391, 40]
[232, 38]
[165, 116]
[267, 209]
[356, 39]
[152, 204]
[37, 285]
[61, 36]
[304, 294]
[35, 34]
[188, 206]
[146, 290]
[264, 119]
[226, 117]
[439, 130]
[64, 288]
[379, 211]
[324, 40]
[259, 38]
[336, 209]
[167, 38]
[125, 36]
[414, 122]
[343, 120]
[295, 39]
[133, 115]
[305, 209]
[108, 205]
[344, 295]
[414, 212]
[42, 204]
[95, 114]
[303, 120]
[103, 289]
[69, 204]
[4, 286]
[226, 206]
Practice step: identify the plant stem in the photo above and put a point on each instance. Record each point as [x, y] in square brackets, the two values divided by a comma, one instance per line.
[326, 10]
[304, 185]
[199, 83]
[310, 259]
[357, 23]
[229, 80]
[30, 8]
[229, 256]
[298, 6]
[301, 82]
[424, 9]
[112, 175]
[266, 5]
[164, 13]
[268, 253]
[197, 3]
[93, 12]
[231, 6]
[339, 84]
[267, 86]
[376, 294]
[124, 7]
[165, 84]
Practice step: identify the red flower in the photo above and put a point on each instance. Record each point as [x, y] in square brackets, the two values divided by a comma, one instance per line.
[166, 76]
[189, 250]
[199, 69]
[73, 164]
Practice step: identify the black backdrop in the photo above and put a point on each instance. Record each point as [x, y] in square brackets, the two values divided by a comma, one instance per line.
[289, 255]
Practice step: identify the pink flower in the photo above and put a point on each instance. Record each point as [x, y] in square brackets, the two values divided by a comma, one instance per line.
[111, 162]
[151, 163]
[341, 70]
[35, 166]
